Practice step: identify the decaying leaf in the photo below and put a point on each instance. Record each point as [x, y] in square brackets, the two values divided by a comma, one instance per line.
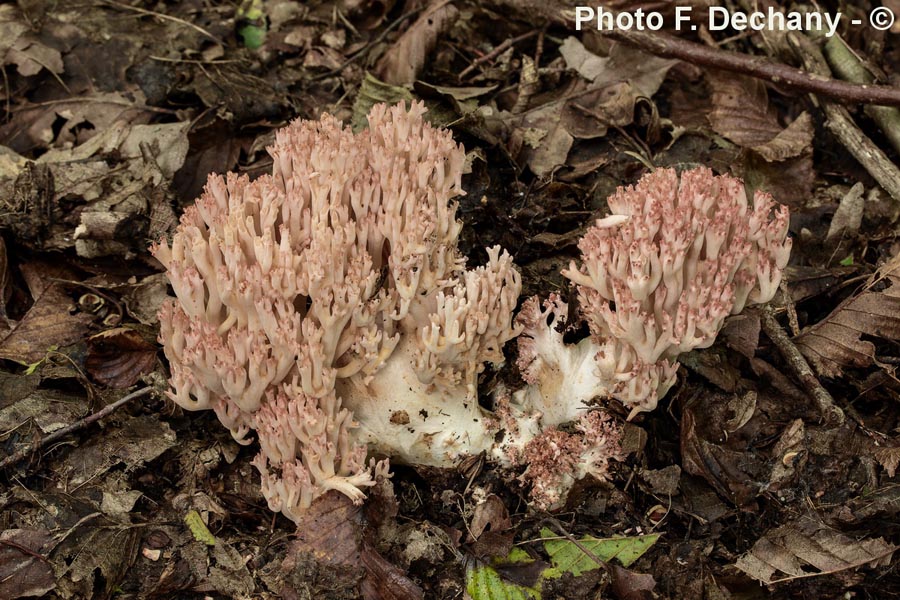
[518, 576]
[198, 528]
[643, 71]
[118, 357]
[544, 135]
[48, 323]
[139, 440]
[25, 572]
[484, 581]
[330, 537]
[117, 176]
[490, 515]
[741, 113]
[628, 585]
[405, 58]
[49, 410]
[849, 214]
[98, 558]
[836, 343]
[889, 458]
[19, 47]
[808, 547]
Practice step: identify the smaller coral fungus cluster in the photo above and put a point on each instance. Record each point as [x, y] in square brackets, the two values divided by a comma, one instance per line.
[325, 308]
[660, 274]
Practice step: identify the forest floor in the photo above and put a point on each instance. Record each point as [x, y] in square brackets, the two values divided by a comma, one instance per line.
[743, 484]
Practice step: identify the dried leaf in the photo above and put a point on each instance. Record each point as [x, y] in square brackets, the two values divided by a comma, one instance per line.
[790, 142]
[139, 440]
[49, 410]
[490, 515]
[406, 57]
[741, 110]
[385, 581]
[849, 214]
[741, 113]
[19, 47]
[24, 572]
[645, 72]
[889, 459]
[806, 547]
[628, 585]
[118, 357]
[47, 324]
[95, 560]
[547, 143]
[836, 343]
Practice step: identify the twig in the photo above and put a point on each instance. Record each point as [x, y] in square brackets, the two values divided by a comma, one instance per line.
[848, 66]
[844, 129]
[756, 66]
[500, 49]
[165, 17]
[832, 413]
[76, 426]
[359, 53]
[791, 308]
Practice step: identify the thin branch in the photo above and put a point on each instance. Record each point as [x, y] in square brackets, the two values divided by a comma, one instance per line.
[165, 17]
[845, 130]
[757, 66]
[509, 42]
[831, 413]
[76, 426]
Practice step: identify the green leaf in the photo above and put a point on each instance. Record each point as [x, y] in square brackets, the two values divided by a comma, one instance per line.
[198, 528]
[567, 557]
[253, 35]
[847, 262]
[250, 10]
[484, 583]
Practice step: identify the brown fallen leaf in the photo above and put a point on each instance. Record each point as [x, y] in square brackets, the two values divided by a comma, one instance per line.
[889, 459]
[742, 113]
[713, 446]
[330, 543]
[808, 547]
[849, 214]
[836, 343]
[629, 585]
[543, 136]
[643, 71]
[47, 324]
[489, 515]
[405, 58]
[18, 46]
[118, 357]
[24, 570]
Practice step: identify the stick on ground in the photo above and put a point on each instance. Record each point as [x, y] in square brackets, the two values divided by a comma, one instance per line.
[831, 413]
[76, 426]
